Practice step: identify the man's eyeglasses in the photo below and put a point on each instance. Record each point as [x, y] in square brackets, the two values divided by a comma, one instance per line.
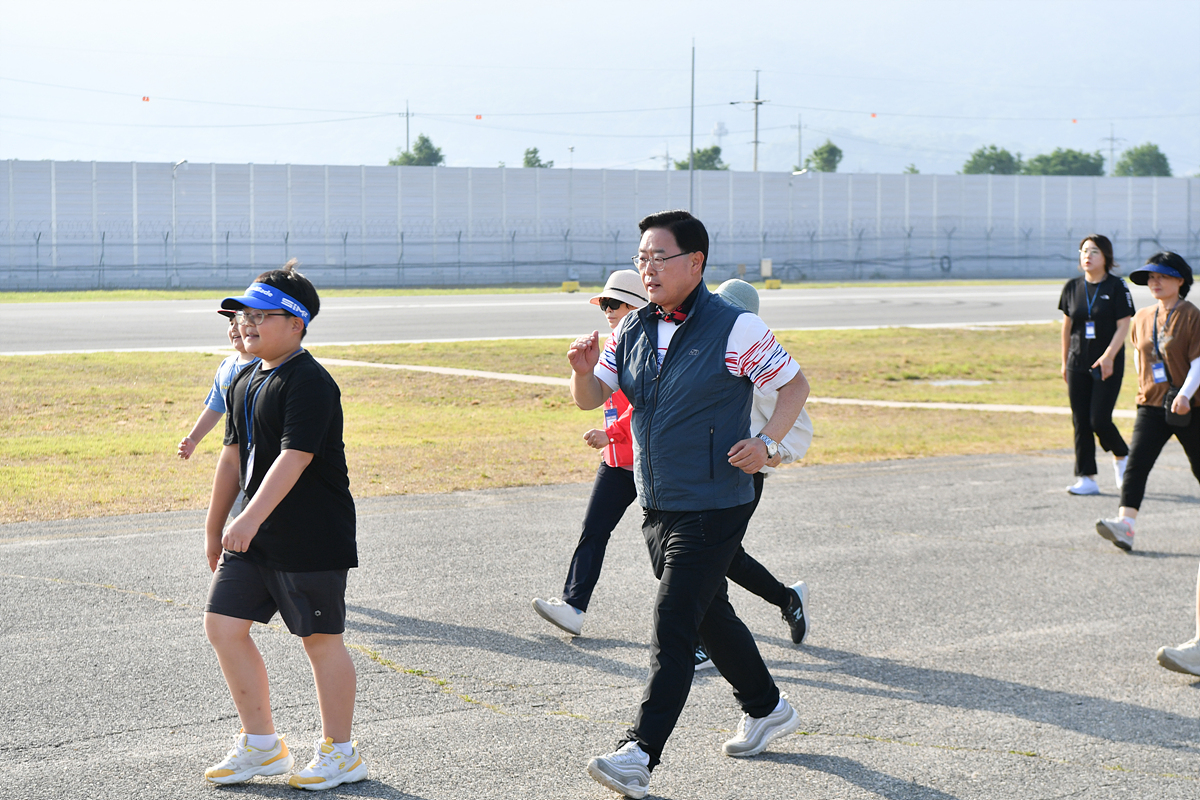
[253, 316]
[609, 304]
[641, 262]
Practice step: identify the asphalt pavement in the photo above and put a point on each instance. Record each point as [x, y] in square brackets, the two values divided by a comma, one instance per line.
[972, 638]
[174, 324]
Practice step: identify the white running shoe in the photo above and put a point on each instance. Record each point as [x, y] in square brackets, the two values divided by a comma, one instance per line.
[1183, 658]
[1117, 531]
[755, 733]
[1084, 485]
[626, 771]
[330, 768]
[243, 762]
[1119, 470]
[556, 612]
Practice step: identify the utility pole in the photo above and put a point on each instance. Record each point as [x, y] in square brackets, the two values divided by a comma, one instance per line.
[407, 145]
[692, 136]
[756, 103]
[1112, 140]
[799, 144]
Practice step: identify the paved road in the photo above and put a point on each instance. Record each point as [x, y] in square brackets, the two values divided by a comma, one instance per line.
[43, 327]
[973, 638]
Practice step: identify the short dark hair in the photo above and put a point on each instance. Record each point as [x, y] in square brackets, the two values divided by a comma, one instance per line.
[1101, 241]
[689, 232]
[291, 281]
[1175, 262]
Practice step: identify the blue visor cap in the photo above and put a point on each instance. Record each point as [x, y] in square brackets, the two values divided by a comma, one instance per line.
[264, 297]
[1141, 275]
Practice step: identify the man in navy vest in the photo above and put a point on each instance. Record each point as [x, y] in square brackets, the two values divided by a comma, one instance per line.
[688, 363]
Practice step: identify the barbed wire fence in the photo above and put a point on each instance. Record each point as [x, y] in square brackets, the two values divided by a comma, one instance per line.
[81, 225]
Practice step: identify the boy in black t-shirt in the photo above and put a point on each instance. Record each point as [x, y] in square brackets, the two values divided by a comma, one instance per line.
[291, 547]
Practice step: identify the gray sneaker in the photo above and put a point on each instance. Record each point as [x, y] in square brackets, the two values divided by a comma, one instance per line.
[1183, 658]
[626, 771]
[755, 733]
[1117, 531]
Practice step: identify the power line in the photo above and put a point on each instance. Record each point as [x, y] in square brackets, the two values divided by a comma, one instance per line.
[155, 125]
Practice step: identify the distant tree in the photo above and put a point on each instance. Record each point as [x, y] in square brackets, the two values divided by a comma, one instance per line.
[911, 169]
[1065, 162]
[825, 158]
[1143, 161]
[992, 160]
[423, 154]
[533, 160]
[704, 158]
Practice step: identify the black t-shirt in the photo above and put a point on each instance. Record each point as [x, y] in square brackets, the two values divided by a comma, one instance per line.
[296, 406]
[1111, 303]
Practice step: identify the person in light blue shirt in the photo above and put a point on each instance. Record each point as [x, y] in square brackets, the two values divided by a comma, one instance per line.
[214, 404]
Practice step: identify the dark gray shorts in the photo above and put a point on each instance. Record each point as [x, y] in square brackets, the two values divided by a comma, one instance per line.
[308, 602]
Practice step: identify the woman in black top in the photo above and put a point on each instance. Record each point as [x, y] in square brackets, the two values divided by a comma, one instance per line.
[1097, 308]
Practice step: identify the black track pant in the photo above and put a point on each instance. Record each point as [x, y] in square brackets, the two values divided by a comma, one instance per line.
[1092, 403]
[612, 493]
[1150, 434]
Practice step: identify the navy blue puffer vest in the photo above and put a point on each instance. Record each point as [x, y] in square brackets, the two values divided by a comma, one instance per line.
[688, 413]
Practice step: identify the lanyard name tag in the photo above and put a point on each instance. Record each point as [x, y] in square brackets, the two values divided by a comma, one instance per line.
[1089, 330]
[250, 465]
[610, 416]
[1159, 371]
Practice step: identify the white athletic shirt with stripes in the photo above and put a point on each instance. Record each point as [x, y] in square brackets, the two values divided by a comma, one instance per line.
[751, 351]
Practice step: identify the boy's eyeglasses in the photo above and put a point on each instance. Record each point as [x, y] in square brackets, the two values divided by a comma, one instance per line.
[609, 304]
[252, 316]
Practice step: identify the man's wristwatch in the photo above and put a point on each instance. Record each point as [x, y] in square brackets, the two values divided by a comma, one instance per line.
[772, 445]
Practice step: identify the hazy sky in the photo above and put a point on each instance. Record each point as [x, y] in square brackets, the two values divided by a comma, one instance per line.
[325, 83]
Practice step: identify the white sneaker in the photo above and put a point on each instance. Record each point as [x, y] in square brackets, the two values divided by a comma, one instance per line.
[1117, 531]
[1084, 485]
[556, 612]
[755, 733]
[330, 768]
[626, 771]
[1119, 470]
[243, 762]
[1183, 658]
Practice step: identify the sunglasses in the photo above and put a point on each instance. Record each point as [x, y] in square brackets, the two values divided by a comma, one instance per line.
[609, 304]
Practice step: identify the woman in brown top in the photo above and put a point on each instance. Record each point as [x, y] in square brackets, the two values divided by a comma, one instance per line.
[1166, 341]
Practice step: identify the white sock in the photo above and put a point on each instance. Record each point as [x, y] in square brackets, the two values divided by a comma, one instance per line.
[345, 748]
[264, 741]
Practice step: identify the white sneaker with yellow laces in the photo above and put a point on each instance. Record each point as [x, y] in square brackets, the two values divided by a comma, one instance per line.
[243, 762]
[330, 768]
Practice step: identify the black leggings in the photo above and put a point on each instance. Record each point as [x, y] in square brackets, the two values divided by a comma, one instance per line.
[612, 493]
[1150, 434]
[1092, 403]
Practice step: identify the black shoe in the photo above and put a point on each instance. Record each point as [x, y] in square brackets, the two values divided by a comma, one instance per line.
[794, 615]
[702, 659]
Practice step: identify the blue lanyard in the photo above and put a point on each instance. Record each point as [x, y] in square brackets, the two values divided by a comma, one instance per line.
[1166, 325]
[248, 405]
[1091, 298]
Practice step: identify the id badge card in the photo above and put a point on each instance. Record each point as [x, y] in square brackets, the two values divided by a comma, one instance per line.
[1159, 372]
[610, 417]
[250, 465]
[1089, 330]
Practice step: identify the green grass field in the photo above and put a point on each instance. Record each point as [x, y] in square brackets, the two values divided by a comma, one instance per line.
[87, 435]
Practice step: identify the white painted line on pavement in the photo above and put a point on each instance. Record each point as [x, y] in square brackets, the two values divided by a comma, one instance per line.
[841, 401]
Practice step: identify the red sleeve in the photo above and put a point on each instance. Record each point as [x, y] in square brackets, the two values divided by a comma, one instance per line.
[618, 432]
